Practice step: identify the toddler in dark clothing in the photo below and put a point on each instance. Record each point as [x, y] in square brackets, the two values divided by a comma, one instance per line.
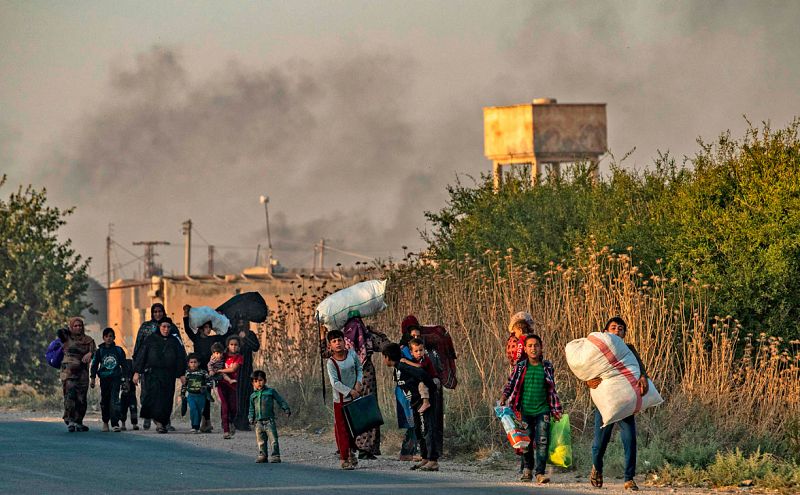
[128, 399]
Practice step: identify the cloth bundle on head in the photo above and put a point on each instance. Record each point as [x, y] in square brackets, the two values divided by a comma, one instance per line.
[522, 316]
[200, 315]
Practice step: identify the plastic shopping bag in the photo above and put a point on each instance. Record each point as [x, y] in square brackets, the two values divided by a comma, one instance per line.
[560, 448]
[516, 431]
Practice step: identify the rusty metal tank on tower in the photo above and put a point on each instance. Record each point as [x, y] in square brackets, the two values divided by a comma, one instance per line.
[544, 132]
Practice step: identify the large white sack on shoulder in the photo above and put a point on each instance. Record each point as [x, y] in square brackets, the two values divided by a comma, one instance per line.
[587, 361]
[202, 314]
[616, 399]
[366, 297]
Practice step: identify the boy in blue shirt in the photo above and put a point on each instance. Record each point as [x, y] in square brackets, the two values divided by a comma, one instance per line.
[262, 416]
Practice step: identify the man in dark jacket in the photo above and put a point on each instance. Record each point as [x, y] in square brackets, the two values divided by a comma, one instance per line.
[410, 379]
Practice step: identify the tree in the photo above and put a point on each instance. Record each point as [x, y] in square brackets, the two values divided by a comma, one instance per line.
[42, 281]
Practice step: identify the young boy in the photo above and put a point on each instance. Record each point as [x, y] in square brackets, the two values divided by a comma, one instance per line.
[111, 365]
[345, 374]
[262, 416]
[128, 400]
[409, 379]
[531, 394]
[217, 363]
[195, 390]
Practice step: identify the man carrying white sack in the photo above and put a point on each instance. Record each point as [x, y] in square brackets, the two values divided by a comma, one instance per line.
[627, 426]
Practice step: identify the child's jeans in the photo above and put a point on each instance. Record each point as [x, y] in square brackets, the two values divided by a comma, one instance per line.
[196, 402]
[109, 399]
[627, 431]
[535, 456]
[267, 430]
[227, 404]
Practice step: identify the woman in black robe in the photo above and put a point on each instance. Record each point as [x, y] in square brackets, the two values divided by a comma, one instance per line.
[161, 361]
[250, 344]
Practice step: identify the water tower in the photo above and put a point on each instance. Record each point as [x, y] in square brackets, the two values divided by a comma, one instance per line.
[544, 132]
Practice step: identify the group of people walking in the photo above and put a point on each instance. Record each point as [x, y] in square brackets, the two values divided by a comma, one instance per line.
[225, 363]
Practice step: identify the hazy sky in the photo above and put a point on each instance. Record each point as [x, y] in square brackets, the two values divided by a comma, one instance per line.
[351, 116]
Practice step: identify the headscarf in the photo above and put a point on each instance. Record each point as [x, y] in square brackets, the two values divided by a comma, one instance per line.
[73, 320]
[522, 316]
[356, 337]
[163, 309]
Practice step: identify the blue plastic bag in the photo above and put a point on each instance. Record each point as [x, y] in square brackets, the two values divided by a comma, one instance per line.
[405, 415]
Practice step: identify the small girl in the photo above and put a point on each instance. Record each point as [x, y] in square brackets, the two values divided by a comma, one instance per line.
[228, 397]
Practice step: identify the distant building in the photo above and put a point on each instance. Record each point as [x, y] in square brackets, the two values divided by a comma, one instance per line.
[129, 301]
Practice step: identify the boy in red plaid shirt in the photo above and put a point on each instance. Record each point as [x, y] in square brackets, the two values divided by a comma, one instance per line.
[531, 394]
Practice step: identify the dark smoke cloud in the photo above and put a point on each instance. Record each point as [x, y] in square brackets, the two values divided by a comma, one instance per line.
[354, 147]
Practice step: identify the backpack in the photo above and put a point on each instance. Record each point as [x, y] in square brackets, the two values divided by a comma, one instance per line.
[444, 356]
[55, 353]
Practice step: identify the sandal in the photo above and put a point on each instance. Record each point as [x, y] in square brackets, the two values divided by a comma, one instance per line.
[430, 466]
[420, 465]
[596, 478]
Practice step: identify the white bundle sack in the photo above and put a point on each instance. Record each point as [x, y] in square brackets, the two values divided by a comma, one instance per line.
[202, 314]
[366, 297]
[605, 355]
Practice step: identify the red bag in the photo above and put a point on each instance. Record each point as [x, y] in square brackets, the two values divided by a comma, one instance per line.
[444, 356]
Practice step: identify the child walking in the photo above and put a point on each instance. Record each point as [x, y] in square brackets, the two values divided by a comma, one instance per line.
[109, 364]
[531, 394]
[228, 397]
[412, 380]
[195, 390]
[345, 374]
[128, 399]
[262, 416]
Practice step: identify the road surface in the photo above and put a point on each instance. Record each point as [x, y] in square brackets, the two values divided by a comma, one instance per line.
[43, 458]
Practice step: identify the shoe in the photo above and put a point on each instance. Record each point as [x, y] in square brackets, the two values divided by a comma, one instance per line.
[527, 475]
[227, 435]
[161, 429]
[233, 429]
[81, 427]
[420, 465]
[116, 429]
[261, 459]
[405, 458]
[136, 427]
[195, 430]
[276, 459]
[596, 478]
[542, 479]
[205, 426]
[631, 485]
[430, 466]
[122, 427]
[353, 459]
[169, 427]
[363, 454]
[71, 428]
[104, 429]
[347, 466]
[146, 424]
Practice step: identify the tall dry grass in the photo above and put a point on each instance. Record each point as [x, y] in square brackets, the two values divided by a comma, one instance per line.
[694, 358]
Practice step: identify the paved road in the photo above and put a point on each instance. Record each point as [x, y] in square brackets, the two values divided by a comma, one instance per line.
[43, 458]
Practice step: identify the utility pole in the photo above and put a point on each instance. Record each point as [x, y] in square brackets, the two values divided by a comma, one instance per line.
[211, 260]
[265, 201]
[187, 250]
[322, 254]
[150, 267]
[314, 269]
[108, 256]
